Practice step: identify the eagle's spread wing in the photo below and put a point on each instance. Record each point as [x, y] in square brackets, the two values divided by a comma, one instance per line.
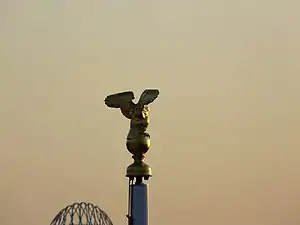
[123, 101]
[148, 96]
[119, 100]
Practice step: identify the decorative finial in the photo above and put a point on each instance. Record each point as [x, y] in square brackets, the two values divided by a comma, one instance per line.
[138, 141]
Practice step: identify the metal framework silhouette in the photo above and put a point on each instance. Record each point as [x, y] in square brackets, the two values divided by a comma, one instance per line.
[81, 214]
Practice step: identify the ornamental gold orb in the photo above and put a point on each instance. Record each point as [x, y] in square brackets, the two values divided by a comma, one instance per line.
[139, 145]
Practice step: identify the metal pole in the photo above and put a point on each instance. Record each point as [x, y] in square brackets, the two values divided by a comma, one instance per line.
[140, 204]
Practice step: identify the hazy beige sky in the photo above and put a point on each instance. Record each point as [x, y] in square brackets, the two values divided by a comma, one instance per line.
[225, 129]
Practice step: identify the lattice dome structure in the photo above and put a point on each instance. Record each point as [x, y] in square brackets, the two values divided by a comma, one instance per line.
[81, 214]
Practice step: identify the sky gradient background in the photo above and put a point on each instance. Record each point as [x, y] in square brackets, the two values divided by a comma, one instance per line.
[225, 128]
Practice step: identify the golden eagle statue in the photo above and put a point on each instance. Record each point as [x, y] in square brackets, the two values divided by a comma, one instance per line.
[138, 113]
